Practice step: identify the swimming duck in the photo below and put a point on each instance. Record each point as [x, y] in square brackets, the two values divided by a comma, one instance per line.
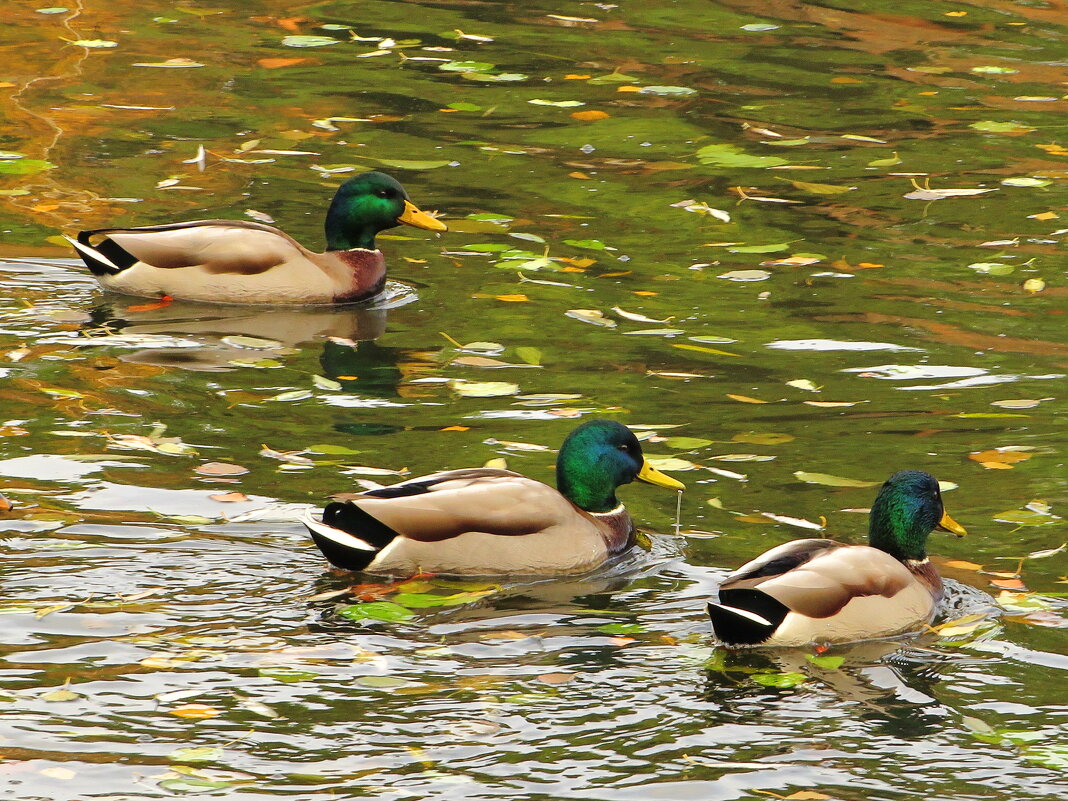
[237, 261]
[821, 591]
[483, 521]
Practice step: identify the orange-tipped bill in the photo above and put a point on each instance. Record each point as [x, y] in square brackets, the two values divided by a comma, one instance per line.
[420, 219]
[947, 523]
[651, 475]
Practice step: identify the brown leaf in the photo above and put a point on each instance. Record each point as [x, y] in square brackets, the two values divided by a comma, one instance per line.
[229, 497]
[555, 678]
[275, 63]
[1008, 584]
[196, 711]
[220, 469]
[961, 565]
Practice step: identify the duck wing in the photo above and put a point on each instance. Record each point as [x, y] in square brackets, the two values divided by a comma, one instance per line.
[799, 591]
[439, 508]
[216, 246]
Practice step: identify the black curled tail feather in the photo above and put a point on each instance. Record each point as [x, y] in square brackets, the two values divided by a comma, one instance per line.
[746, 616]
[351, 522]
[105, 258]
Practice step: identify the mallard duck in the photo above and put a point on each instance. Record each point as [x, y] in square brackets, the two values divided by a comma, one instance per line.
[237, 261]
[821, 591]
[483, 521]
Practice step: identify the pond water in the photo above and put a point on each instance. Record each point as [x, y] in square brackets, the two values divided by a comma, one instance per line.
[797, 245]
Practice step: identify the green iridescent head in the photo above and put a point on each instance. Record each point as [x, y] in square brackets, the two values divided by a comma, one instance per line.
[369, 203]
[907, 509]
[597, 458]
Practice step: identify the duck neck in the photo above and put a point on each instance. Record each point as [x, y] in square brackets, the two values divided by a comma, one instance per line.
[896, 528]
[589, 489]
[347, 236]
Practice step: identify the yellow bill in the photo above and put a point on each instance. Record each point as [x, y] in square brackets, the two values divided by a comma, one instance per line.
[651, 475]
[947, 523]
[420, 219]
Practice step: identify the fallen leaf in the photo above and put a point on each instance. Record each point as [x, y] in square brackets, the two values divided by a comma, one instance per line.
[220, 469]
[828, 480]
[229, 497]
[745, 399]
[556, 678]
[195, 711]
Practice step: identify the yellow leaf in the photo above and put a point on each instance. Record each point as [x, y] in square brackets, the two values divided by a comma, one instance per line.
[628, 88]
[745, 399]
[819, 189]
[196, 711]
[1045, 215]
[962, 565]
[590, 116]
[1034, 285]
[581, 175]
[517, 298]
[573, 77]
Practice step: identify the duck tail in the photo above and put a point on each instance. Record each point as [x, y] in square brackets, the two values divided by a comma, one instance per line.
[750, 619]
[347, 536]
[106, 258]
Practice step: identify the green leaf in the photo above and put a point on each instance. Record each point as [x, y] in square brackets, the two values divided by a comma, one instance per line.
[426, 600]
[24, 166]
[612, 77]
[381, 682]
[621, 628]
[201, 754]
[291, 395]
[1026, 182]
[377, 610]
[779, 679]
[309, 41]
[325, 383]
[464, 106]
[724, 155]
[95, 43]
[530, 355]
[827, 480]
[410, 164]
[191, 784]
[490, 217]
[1009, 127]
[776, 248]
[826, 662]
[287, 675]
[992, 268]
[686, 443]
[588, 244]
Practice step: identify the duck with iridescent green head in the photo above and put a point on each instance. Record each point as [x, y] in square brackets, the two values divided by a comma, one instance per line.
[822, 591]
[237, 261]
[487, 521]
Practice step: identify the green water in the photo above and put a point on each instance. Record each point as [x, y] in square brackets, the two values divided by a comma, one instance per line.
[799, 273]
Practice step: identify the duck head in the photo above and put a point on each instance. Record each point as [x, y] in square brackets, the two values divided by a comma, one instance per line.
[596, 459]
[907, 509]
[369, 203]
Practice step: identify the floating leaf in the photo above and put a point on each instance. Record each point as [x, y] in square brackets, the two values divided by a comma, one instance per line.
[745, 275]
[667, 91]
[414, 600]
[309, 41]
[466, 66]
[686, 443]
[411, 164]
[1006, 127]
[196, 754]
[291, 395]
[825, 662]
[381, 682]
[24, 166]
[779, 679]
[220, 469]
[483, 389]
[385, 611]
[724, 155]
[588, 244]
[828, 480]
[194, 711]
[799, 522]
[252, 343]
[594, 316]
[820, 189]
[95, 43]
[758, 438]
[530, 355]
[992, 268]
[287, 675]
[1026, 182]
[941, 194]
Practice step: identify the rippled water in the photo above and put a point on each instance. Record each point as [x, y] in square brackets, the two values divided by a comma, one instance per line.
[849, 332]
